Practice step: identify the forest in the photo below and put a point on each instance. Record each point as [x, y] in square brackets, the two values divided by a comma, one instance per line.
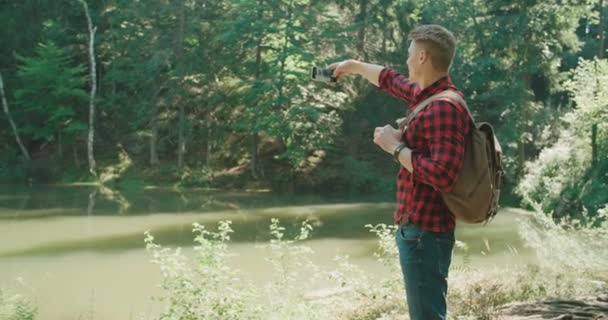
[217, 94]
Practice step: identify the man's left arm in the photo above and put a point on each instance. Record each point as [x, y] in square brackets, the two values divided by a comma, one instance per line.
[443, 126]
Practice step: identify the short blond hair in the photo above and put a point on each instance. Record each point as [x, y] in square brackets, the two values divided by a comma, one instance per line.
[438, 41]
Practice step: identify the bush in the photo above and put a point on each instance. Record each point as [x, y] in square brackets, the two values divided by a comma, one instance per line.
[563, 179]
[199, 177]
[16, 307]
[206, 288]
[557, 168]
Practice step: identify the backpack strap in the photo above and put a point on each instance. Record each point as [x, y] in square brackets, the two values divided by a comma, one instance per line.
[447, 94]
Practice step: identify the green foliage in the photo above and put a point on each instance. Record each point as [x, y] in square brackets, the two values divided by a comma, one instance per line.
[226, 83]
[556, 168]
[275, 42]
[198, 178]
[16, 307]
[51, 100]
[12, 169]
[563, 179]
[206, 288]
[366, 179]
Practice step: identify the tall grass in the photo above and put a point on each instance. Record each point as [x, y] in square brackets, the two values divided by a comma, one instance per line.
[572, 255]
[572, 262]
[205, 287]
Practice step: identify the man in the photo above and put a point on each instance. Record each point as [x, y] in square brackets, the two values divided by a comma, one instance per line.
[430, 151]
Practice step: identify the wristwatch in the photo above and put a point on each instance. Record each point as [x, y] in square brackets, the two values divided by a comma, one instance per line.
[397, 151]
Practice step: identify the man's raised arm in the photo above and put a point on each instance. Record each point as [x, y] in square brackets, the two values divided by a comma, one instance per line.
[369, 71]
[388, 80]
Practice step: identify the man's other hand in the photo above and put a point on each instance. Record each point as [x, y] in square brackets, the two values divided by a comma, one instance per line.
[387, 137]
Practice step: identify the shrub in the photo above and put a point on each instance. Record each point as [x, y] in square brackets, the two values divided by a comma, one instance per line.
[16, 307]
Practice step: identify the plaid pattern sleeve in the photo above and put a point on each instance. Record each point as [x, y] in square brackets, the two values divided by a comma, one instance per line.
[443, 125]
[398, 85]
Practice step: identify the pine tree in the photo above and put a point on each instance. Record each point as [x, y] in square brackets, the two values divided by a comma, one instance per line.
[51, 98]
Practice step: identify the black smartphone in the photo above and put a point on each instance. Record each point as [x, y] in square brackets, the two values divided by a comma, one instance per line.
[323, 75]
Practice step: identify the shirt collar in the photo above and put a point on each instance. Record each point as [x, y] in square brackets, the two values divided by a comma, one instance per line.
[442, 84]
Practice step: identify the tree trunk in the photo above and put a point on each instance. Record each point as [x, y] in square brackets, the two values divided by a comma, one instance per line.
[208, 153]
[478, 29]
[362, 18]
[178, 58]
[91, 205]
[181, 145]
[60, 144]
[523, 128]
[76, 159]
[26, 154]
[284, 51]
[594, 147]
[385, 30]
[154, 161]
[602, 46]
[91, 135]
[258, 61]
[254, 155]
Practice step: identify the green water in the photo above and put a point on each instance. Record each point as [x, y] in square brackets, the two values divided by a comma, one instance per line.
[79, 252]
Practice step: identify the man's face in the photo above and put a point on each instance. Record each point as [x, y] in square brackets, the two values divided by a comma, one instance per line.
[414, 61]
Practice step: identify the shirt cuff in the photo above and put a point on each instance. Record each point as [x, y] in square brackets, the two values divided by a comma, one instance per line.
[384, 77]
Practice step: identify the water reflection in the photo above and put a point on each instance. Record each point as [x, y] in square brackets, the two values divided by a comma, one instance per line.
[45, 201]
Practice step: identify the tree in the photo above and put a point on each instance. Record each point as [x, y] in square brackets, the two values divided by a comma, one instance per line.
[277, 42]
[50, 96]
[93, 74]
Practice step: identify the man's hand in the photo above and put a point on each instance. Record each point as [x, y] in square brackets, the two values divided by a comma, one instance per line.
[387, 138]
[369, 71]
[343, 68]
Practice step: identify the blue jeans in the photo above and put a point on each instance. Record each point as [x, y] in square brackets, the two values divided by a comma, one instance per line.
[425, 258]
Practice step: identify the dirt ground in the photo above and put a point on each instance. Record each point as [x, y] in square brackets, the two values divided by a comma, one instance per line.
[584, 309]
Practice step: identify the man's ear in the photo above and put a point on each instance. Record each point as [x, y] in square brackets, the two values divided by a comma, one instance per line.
[423, 56]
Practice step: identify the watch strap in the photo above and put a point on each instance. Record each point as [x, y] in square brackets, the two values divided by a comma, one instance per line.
[397, 151]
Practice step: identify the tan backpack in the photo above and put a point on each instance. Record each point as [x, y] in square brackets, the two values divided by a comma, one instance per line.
[474, 197]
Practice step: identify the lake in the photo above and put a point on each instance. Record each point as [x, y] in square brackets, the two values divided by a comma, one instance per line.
[78, 251]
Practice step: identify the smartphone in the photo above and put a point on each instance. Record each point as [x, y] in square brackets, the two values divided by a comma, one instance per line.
[323, 75]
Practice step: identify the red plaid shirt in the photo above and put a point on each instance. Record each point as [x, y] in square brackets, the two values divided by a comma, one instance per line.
[436, 137]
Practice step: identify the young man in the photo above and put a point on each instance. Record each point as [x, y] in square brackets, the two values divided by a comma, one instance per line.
[430, 151]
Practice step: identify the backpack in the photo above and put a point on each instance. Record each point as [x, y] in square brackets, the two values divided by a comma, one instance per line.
[474, 196]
